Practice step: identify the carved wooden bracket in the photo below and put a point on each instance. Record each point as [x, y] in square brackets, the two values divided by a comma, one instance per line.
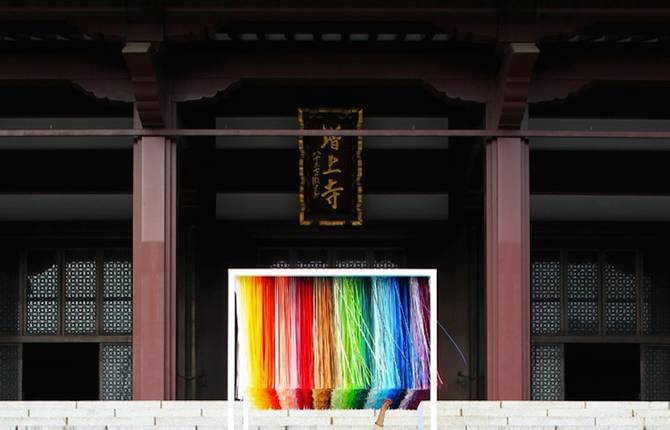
[141, 61]
[510, 98]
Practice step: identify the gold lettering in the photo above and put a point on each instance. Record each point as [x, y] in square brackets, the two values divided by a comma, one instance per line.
[331, 163]
[333, 141]
[316, 169]
[332, 193]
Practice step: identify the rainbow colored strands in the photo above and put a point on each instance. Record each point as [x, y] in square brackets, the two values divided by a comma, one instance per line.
[334, 342]
[352, 342]
[257, 301]
[391, 350]
[419, 344]
[325, 370]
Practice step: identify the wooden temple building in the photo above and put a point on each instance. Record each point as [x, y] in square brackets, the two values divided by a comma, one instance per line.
[521, 148]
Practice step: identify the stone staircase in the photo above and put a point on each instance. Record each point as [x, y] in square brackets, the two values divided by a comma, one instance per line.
[212, 415]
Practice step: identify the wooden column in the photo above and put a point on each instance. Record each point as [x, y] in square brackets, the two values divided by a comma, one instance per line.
[154, 268]
[507, 270]
[508, 230]
[154, 223]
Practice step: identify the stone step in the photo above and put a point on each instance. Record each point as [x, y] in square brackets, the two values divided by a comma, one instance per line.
[452, 415]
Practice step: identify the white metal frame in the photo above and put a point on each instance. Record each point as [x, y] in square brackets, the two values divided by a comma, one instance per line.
[233, 274]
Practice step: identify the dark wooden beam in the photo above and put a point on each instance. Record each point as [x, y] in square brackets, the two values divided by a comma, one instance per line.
[663, 136]
[198, 74]
[510, 101]
[94, 72]
[141, 61]
[66, 338]
[563, 71]
[185, 21]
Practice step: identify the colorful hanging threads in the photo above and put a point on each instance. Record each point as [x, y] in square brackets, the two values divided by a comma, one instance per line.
[419, 356]
[352, 342]
[286, 376]
[304, 344]
[390, 359]
[257, 303]
[325, 370]
[334, 342]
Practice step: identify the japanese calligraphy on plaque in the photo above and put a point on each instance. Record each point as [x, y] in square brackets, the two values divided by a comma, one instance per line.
[331, 168]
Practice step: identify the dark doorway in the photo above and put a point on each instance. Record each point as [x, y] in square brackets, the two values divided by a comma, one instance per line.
[602, 371]
[60, 371]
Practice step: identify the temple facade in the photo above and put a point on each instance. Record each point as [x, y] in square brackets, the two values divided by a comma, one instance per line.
[521, 149]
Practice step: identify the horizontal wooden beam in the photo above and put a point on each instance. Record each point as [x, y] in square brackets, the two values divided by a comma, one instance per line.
[187, 7]
[66, 338]
[539, 339]
[213, 132]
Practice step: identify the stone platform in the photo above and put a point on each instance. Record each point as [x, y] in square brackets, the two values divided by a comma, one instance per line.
[211, 415]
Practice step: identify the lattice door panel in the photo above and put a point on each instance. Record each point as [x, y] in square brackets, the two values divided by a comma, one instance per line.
[387, 259]
[546, 293]
[311, 258]
[351, 259]
[583, 293]
[9, 372]
[656, 372]
[655, 300]
[43, 293]
[117, 278]
[9, 294]
[116, 372]
[341, 258]
[547, 372]
[81, 285]
[275, 258]
[620, 282]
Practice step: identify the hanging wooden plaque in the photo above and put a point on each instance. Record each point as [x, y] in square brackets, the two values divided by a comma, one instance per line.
[331, 168]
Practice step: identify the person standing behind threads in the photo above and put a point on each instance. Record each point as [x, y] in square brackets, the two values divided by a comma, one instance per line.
[382, 414]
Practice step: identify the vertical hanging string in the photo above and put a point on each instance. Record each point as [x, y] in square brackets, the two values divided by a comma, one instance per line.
[257, 299]
[386, 317]
[363, 286]
[404, 350]
[353, 337]
[324, 343]
[292, 399]
[340, 334]
[284, 341]
[419, 320]
[250, 303]
[304, 342]
[269, 307]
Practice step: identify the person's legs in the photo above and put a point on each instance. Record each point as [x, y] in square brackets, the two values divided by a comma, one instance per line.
[382, 412]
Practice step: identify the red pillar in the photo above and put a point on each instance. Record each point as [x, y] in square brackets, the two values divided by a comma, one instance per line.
[154, 240]
[507, 270]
